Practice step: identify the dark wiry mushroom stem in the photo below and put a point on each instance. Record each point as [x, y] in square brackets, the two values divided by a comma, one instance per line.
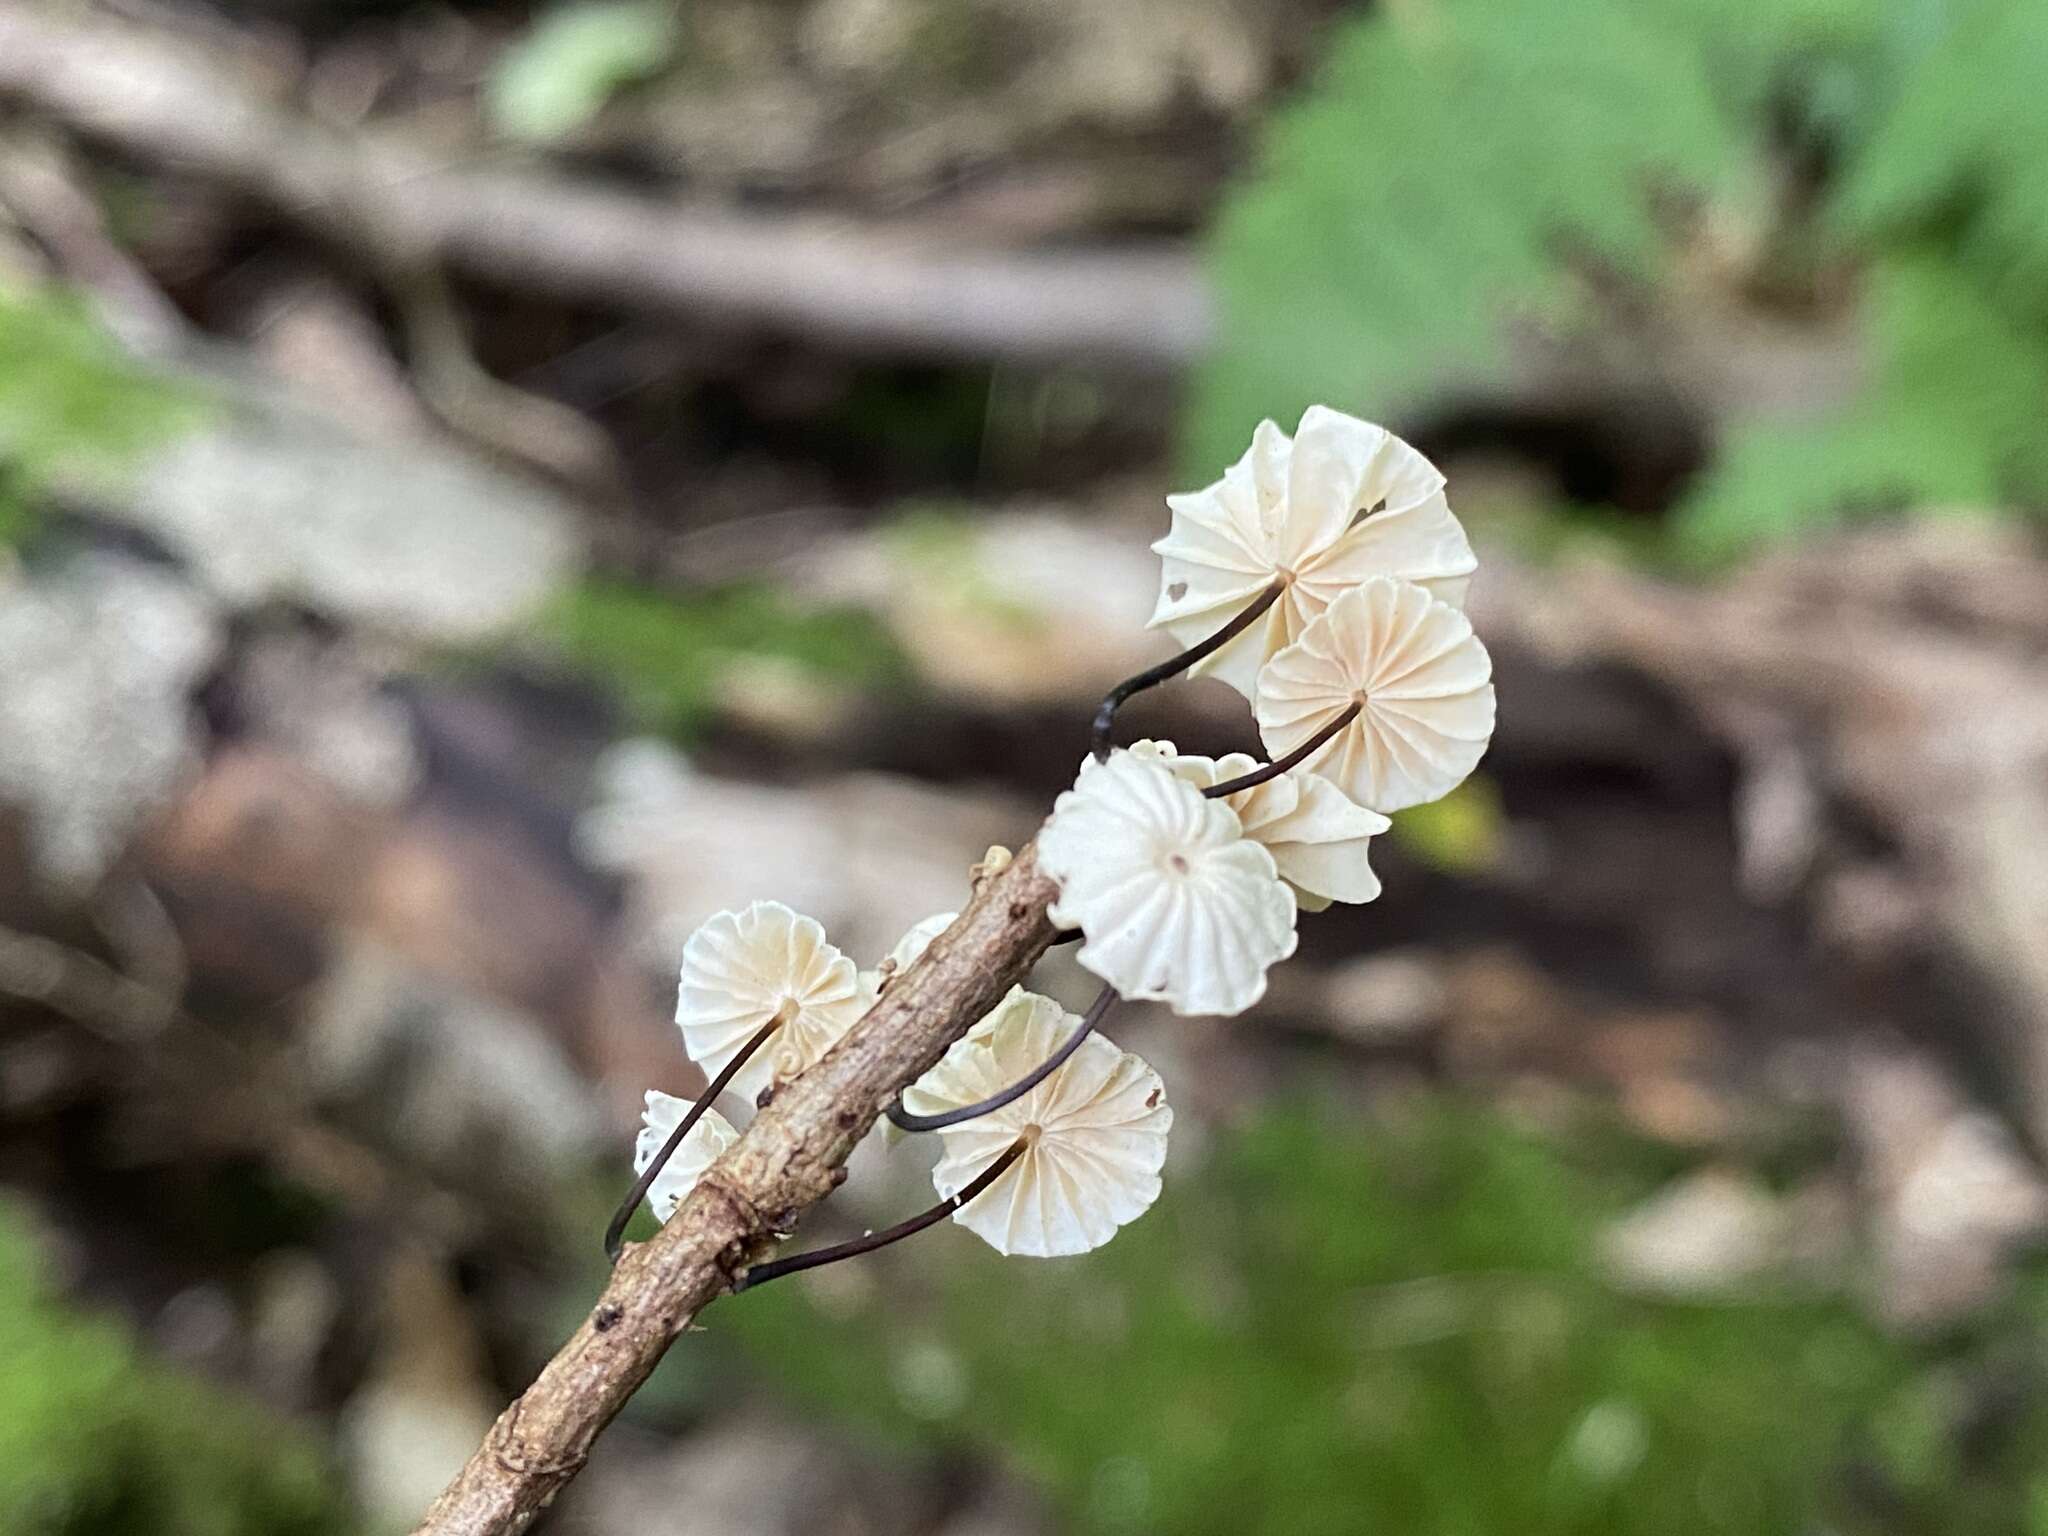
[760, 1274]
[1173, 666]
[1294, 759]
[904, 1120]
[615, 1233]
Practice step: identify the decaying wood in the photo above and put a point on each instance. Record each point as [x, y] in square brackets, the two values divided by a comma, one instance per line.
[1906, 671]
[788, 1159]
[862, 287]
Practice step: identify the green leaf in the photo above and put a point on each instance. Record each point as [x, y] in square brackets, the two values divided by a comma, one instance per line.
[560, 74]
[1957, 155]
[1456, 169]
[1469, 170]
[72, 402]
[1950, 417]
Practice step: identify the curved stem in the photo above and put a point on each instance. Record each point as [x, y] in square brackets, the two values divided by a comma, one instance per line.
[1173, 666]
[615, 1233]
[1294, 759]
[904, 1120]
[760, 1274]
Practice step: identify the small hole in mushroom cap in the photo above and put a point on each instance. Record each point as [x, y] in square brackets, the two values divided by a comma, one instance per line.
[1177, 591]
[1177, 863]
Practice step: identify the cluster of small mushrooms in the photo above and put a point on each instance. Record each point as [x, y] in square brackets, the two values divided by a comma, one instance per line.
[1324, 578]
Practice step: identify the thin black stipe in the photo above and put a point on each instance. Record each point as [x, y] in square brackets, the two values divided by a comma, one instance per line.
[761, 1274]
[1294, 759]
[615, 1234]
[904, 1120]
[1173, 666]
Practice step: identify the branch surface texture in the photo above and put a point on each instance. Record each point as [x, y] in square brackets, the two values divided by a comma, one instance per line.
[150, 95]
[789, 1158]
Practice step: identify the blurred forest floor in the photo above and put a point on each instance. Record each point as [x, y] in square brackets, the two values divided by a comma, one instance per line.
[481, 491]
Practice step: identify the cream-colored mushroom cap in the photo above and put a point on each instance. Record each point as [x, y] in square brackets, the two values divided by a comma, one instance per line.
[1319, 836]
[1173, 901]
[911, 947]
[1340, 502]
[1421, 676]
[1094, 1131]
[744, 970]
[708, 1138]
[917, 939]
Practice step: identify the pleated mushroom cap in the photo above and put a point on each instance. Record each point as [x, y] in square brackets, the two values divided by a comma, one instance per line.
[1424, 682]
[1318, 835]
[910, 948]
[1340, 502]
[918, 938]
[1095, 1129]
[743, 970]
[708, 1138]
[1173, 901]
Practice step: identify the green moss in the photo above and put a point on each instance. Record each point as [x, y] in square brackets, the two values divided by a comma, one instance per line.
[942, 548]
[1335, 1328]
[71, 402]
[95, 1440]
[668, 653]
[1461, 833]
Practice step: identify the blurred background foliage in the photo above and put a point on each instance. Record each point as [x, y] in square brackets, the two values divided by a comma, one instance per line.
[572, 61]
[1405, 1324]
[672, 658]
[1466, 181]
[72, 402]
[95, 1438]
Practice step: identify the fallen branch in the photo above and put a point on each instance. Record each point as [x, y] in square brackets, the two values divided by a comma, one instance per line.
[1906, 667]
[789, 1158]
[152, 98]
[41, 193]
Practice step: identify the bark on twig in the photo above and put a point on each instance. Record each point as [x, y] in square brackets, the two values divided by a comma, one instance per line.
[788, 1159]
[861, 287]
